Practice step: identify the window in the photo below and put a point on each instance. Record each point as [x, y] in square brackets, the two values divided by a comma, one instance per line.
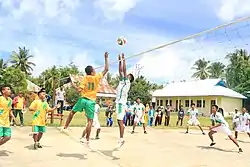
[186, 103]
[166, 102]
[161, 102]
[213, 102]
[157, 103]
[199, 103]
[170, 102]
[191, 102]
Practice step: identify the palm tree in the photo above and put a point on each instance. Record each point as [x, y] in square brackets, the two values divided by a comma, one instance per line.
[3, 64]
[217, 70]
[21, 60]
[202, 67]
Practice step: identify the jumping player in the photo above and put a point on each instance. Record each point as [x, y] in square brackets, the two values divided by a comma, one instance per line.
[220, 124]
[39, 109]
[5, 113]
[122, 96]
[96, 123]
[193, 120]
[243, 124]
[139, 110]
[88, 90]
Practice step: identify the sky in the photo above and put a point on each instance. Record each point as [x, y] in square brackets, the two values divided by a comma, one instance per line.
[80, 31]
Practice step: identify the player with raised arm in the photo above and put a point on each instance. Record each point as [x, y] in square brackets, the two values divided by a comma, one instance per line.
[220, 124]
[88, 89]
[122, 96]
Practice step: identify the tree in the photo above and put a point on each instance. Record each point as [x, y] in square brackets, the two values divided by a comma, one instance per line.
[15, 78]
[140, 88]
[72, 95]
[3, 64]
[217, 70]
[202, 69]
[21, 59]
[238, 70]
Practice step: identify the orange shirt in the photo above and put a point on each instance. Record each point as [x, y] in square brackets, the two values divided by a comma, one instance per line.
[19, 103]
[90, 86]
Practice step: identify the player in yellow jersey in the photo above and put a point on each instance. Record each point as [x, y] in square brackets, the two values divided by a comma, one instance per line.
[5, 113]
[88, 89]
[39, 108]
[19, 106]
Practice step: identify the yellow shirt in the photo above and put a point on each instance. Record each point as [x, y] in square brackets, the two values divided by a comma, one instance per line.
[39, 114]
[5, 108]
[90, 86]
[20, 104]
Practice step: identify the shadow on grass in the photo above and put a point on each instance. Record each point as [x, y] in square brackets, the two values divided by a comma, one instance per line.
[31, 147]
[5, 153]
[109, 153]
[72, 155]
[217, 149]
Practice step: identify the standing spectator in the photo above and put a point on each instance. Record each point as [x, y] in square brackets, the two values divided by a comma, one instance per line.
[12, 96]
[181, 115]
[108, 114]
[151, 114]
[146, 114]
[128, 115]
[60, 94]
[167, 115]
[19, 106]
[158, 116]
[162, 109]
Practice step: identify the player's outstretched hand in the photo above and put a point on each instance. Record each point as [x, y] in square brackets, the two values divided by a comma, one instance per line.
[123, 56]
[106, 55]
[119, 57]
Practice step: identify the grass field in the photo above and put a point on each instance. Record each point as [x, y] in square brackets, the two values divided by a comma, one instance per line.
[80, 120]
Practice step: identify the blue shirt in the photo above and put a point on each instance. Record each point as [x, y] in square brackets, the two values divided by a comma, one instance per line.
[151, 113]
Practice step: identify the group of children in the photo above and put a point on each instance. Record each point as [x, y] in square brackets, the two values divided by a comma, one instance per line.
[88, 89]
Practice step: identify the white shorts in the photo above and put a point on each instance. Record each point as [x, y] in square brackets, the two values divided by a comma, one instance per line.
[139, 118]
[96, 124]
[193, 122]
[243, 128]
[223, 129]
[120, 111]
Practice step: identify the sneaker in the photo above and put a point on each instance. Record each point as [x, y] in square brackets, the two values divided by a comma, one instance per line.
[39, 145]
[21, 125]
[145, 132]
[120, 144]
[240, 150]
[132, 132]
[64, 130]
[84, 142]
[212, 144]
[186, 132]
[35, 146]
[203, 133]
[97, 137]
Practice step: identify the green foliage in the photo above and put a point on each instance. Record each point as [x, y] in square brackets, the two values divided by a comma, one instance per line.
[72, 95]
[15, 78]
[21, 59]
[217, 70]
[202, 68]
[140, 88]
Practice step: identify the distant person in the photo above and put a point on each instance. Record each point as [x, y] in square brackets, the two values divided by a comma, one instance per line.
[192, 113]
[167, 115]
[151, 114]
[19, 106]
[158, 116]
[60, 94]
[243, 124]
[128, 115]
[181, 115]
[109, 114]
[236, 119]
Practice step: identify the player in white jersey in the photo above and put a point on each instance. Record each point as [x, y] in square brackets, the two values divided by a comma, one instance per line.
[236, 119]
[139, 110]
[193, 120]
[243, 124]
[219, 124]
[96, 123]
[122, 96]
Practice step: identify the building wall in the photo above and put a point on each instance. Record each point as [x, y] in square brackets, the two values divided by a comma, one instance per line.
[228, 104]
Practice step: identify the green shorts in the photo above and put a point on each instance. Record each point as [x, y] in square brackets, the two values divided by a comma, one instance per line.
[5, 131]
[38, 129]
[87, 105]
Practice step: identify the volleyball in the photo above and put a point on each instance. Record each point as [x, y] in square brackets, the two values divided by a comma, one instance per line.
[121, 41]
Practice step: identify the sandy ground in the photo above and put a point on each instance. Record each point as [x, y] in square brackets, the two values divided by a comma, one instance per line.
[159, 147]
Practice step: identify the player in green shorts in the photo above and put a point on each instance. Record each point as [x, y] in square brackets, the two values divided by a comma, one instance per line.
[5, 113]
[88, 89]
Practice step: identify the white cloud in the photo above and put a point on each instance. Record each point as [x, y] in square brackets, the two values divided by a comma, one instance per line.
[115, 9]
[231, 9]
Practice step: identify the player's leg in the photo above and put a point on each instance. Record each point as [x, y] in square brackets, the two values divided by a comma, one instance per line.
[230, 136]
[248, 133]
[181, 121]
[210, 134]
[201, 130]
[15, 115]
[5, 135]
[78, 107]
[35, 131]
[236, 134]
[120, 111]
[197, 123]
[136, 120]
[21, 117]
[188, 123]
[41, 131]
[97, 126]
